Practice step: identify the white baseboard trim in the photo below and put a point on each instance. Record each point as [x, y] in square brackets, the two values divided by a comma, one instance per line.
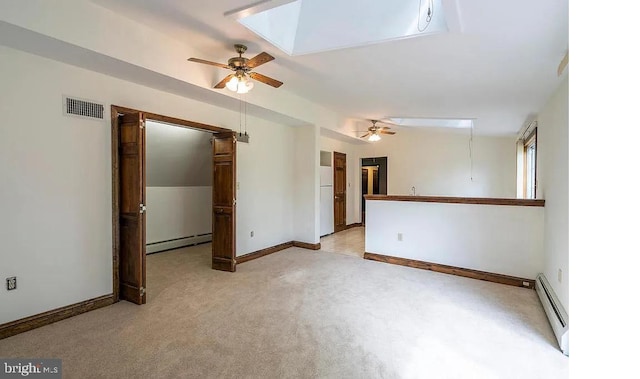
[176, 243]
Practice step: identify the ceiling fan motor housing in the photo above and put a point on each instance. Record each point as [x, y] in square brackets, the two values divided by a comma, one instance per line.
[237, 62]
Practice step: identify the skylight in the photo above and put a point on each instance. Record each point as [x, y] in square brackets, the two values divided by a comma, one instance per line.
[432, 122]
[310, 26]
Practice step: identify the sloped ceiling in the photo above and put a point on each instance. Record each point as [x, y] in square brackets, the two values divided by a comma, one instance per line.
[177, 156]
[498, 69]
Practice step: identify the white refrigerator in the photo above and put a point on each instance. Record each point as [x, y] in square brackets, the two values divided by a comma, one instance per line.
[326, 200]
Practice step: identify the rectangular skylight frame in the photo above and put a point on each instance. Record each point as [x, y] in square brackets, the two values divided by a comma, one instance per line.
[420, 122]
[326, 25]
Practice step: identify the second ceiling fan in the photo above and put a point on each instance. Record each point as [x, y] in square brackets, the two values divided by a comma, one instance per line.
[375, 130]
[242, 70]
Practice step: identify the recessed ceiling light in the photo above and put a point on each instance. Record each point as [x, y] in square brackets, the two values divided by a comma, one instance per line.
[417, 122]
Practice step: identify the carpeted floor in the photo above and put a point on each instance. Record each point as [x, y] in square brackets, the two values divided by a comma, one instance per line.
[303, 314]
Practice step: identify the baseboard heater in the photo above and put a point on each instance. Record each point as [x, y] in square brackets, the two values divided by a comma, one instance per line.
[177, 242]
[558, 317]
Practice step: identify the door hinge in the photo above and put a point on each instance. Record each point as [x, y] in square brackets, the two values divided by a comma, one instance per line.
[142, 124]
[235, 139]
[234, 202]
[143, 208]
[143, 291]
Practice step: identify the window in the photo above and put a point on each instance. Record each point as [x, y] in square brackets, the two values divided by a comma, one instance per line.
[530, 166]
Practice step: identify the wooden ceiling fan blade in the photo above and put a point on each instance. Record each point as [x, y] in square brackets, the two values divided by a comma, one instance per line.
[198, 60]
[385, 132]
[366, 135]
[224, 81]
[265, 79]
[259, 59]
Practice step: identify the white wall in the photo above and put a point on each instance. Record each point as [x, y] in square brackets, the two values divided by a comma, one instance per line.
[265, 187]
[553, 186]
[437, 163]
[494, 238]
[306, 195]
[177, 212]
[55, 195]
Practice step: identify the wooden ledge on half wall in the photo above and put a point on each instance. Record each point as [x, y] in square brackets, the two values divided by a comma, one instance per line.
[458, 200]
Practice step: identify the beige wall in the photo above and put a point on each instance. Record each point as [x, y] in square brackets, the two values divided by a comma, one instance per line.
[438, 163]
[553, 186]
[56, 196]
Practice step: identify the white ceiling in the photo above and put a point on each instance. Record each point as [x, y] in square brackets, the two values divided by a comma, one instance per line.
[499, 70]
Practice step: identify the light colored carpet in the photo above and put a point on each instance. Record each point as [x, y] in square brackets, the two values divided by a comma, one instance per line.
[303, 314]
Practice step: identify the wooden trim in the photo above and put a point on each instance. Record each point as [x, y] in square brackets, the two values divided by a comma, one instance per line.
[531, 138]
[223, 264]
[25, 324]
[459, 271]
[263, 252]
[305, 245]
[337, 195]
[115, 185]
[115, 201]
[354, 225]
[274, 249]
[173, 120]
[459, 200]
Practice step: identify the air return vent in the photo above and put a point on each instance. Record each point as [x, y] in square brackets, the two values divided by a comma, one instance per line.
[83, 108]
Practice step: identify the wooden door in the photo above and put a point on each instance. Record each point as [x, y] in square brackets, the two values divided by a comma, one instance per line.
[223, 246]
[339, 191]
[132, 271]
[365, 190]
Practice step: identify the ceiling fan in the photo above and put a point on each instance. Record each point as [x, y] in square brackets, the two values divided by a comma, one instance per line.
[374, 131]
[242, 70]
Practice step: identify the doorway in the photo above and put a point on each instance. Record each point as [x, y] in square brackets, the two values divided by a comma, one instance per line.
[178, 187]
[374, 179]
[339, 191]
[128, 131]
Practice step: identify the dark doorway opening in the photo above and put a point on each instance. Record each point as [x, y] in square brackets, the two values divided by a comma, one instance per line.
[374, 179]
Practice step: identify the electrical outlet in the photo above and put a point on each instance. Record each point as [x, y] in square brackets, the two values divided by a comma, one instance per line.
[559, 275]
[252, 233]
[12, 283]
[399, 236]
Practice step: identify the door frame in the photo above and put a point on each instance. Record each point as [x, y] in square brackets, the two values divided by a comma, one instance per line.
[336, 227]
[383, 167]
[117, 110]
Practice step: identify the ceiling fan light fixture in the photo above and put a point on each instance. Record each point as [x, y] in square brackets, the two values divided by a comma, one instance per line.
[239, 83]
[232, 84]
[374, 137]
[244, 85]
[242, 68]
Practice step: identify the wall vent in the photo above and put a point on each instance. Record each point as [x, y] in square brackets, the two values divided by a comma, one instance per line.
[557, 315]
[83, 108]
